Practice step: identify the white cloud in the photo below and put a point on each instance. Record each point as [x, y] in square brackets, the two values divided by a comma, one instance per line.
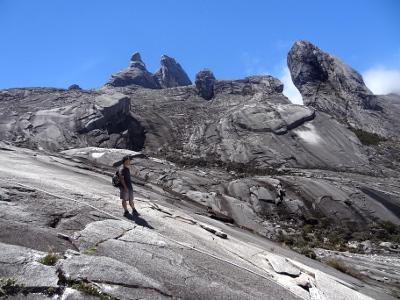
[290, 89]
[381, 80]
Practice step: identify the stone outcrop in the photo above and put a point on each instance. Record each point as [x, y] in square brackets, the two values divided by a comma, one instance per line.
[331, 86]
[205, 81]
[171, 73]
[74, 87]
[135, 75]
[315, 72]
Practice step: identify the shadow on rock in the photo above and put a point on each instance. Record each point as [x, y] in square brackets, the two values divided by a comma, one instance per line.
[140, 221]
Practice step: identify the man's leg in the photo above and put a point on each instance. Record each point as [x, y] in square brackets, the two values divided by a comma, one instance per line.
[124, 204]
[123, 196]
[131, 203]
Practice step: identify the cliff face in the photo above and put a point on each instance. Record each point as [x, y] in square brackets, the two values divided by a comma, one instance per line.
[331, 86]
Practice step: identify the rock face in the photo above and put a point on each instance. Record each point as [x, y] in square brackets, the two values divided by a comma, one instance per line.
[329, 85]
[205, 81]
[149, 256]
[135, 75]
[315, 72]
[56, 119]
[171, 73]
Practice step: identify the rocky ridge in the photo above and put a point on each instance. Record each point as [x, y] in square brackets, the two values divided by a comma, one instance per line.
[169, 75]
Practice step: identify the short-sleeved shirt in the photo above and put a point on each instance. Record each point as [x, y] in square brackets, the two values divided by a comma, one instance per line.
[124, 171]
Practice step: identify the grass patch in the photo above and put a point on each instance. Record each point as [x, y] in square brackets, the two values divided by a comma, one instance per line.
[9, 286]
[390, 227]
[90, 289]
[50, 259]
[395, 293]
[241, 169]
[90, 250]
[368, 138]
[307, 251]
[340, 266]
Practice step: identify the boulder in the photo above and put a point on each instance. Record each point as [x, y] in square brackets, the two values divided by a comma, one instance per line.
[282, 265]
[4, 195]
[205, 81]
[74, 87]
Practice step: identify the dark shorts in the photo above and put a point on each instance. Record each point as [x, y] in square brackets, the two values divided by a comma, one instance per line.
[127, 196]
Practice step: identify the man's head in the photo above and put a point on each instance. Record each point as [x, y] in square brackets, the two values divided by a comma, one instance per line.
[126, 160]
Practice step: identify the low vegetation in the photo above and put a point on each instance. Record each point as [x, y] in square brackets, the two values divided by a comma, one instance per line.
[368, 138]
[242, 169]
[50, 259]
[340, 266]
[90, 289]
[90, 250]
[326, 236]
[395, 293]
[9, 286]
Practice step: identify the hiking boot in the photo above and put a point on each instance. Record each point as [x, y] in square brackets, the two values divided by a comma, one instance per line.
[135, 212]
[126, 213]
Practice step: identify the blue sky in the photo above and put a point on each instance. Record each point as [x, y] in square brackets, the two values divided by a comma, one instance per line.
[58, 43]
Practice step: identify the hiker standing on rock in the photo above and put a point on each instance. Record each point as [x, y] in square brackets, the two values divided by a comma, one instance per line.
[126, 189]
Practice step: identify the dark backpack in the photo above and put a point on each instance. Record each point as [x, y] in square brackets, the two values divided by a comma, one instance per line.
[115, 180]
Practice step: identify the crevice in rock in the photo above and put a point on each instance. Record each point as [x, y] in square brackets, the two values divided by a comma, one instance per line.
[53, 223]
[134, 286]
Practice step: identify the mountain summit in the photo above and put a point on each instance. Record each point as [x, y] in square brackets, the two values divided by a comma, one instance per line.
[170, 74]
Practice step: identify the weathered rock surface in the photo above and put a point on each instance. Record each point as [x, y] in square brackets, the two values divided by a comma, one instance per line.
[282, 266]
[122, 259]
[370, 267]
[331, 86]
[99, 269]
[22, 265]
[171, 73]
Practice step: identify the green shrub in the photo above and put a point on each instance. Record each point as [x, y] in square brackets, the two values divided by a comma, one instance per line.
[90, 250]
[90, 289]
[395, 293]
[307, 251]
[9, 286]
[340, 266]
[390, 227]
[50, 259]
[368, 138]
